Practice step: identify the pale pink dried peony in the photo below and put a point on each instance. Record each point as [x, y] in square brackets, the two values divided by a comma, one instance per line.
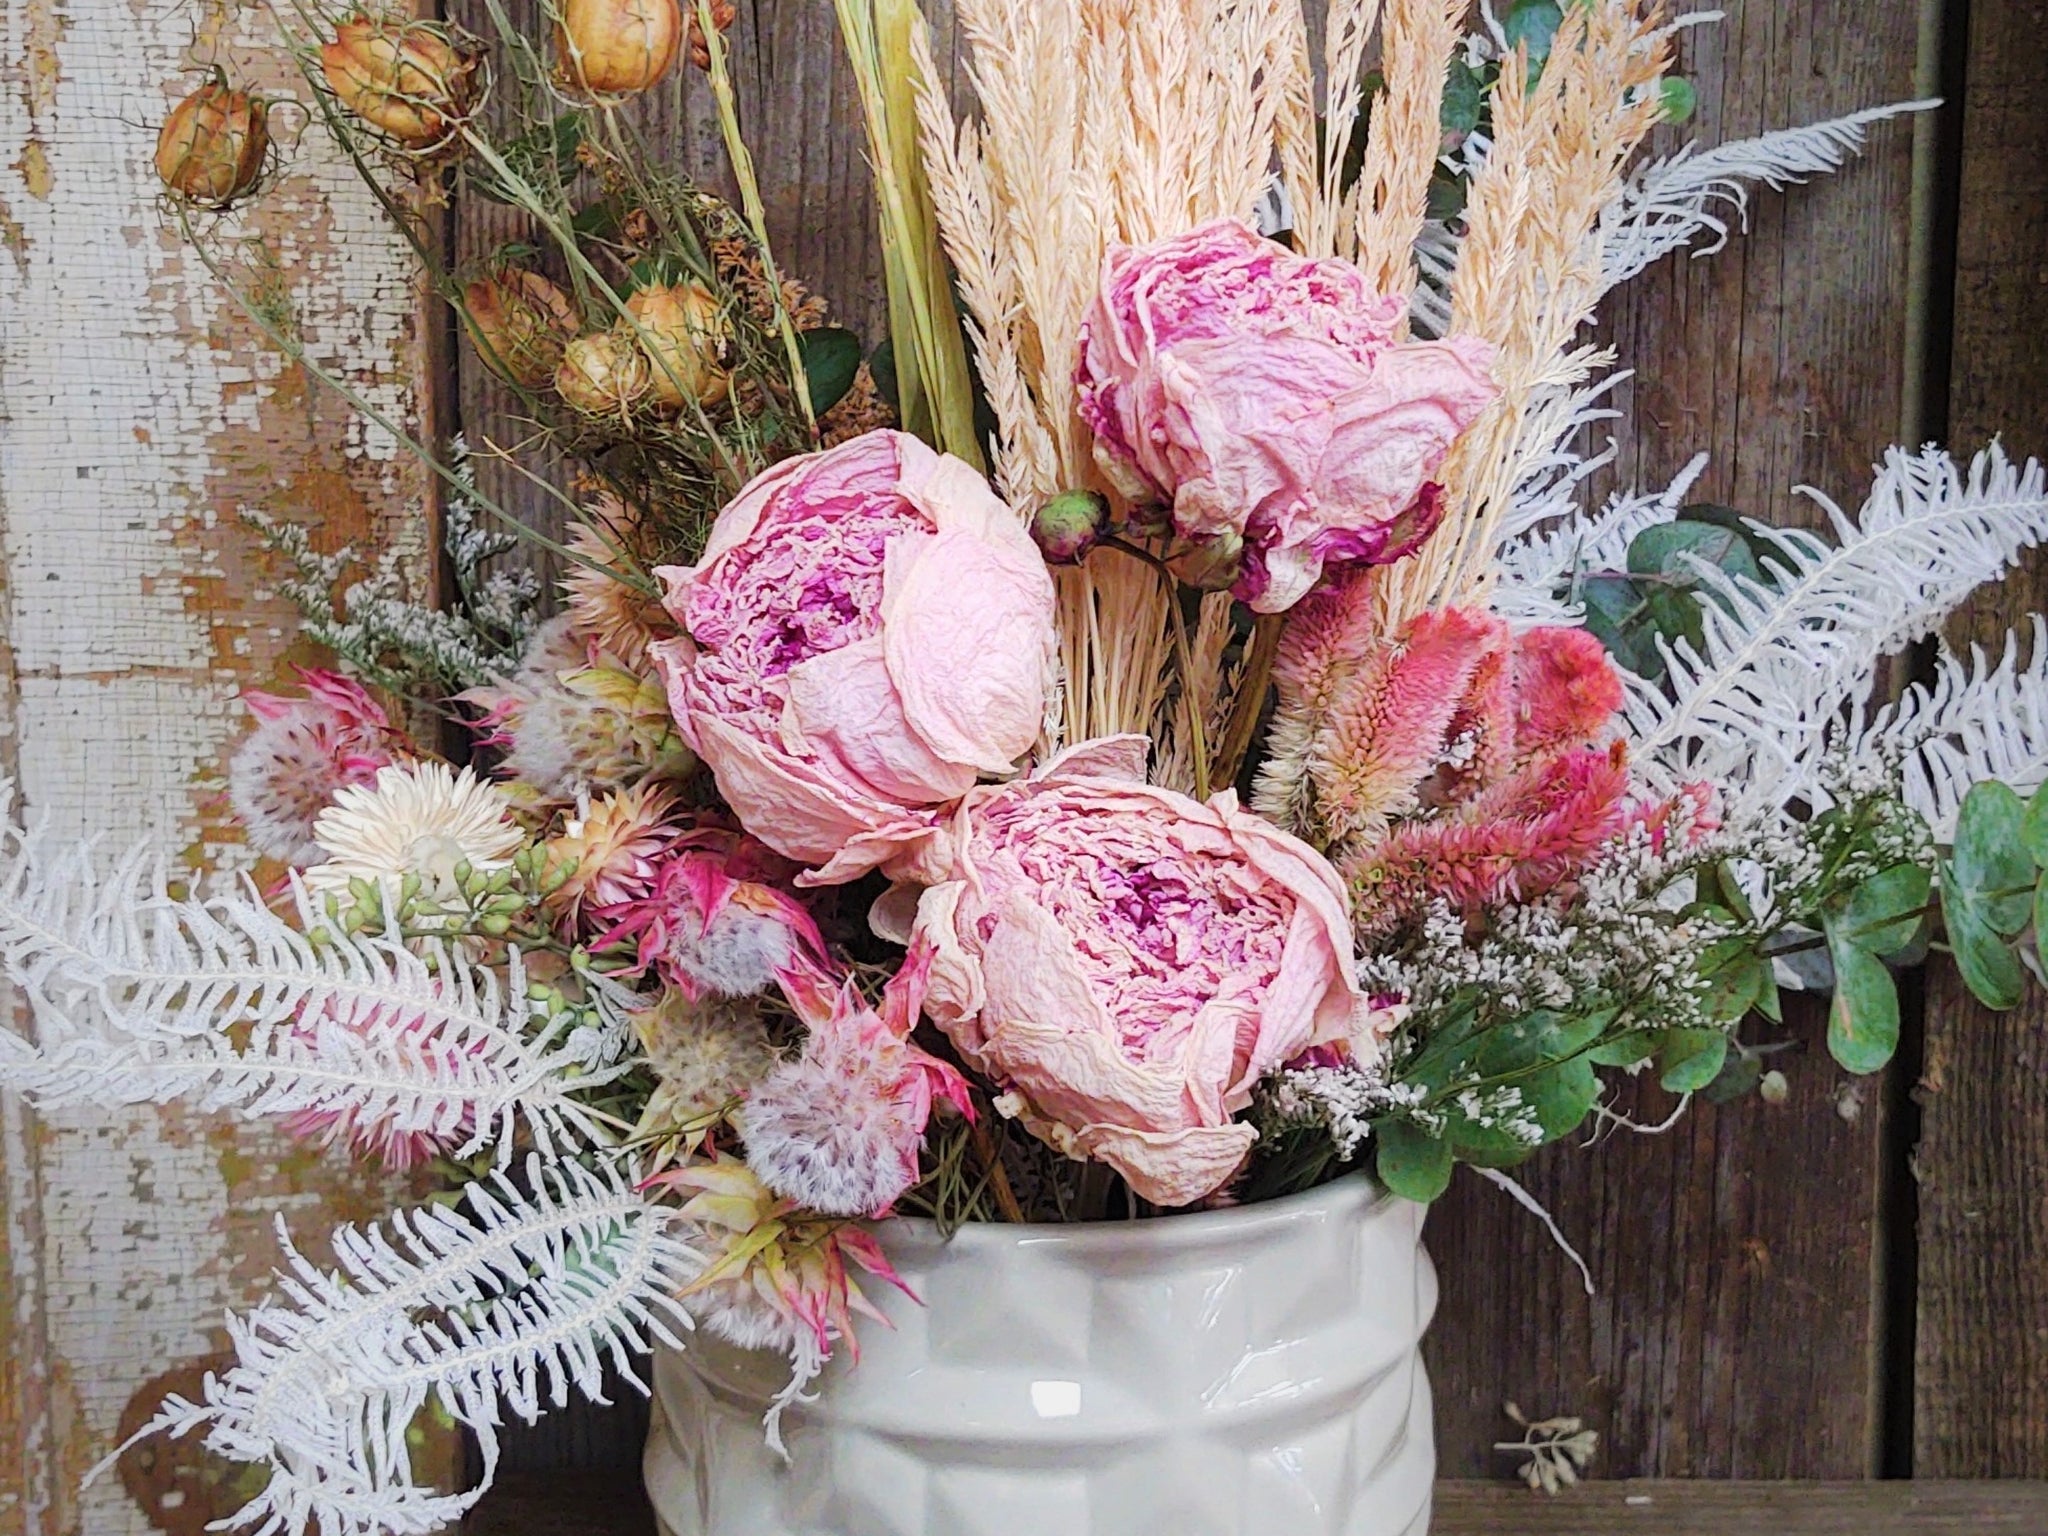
[869, 631]
[1126, 963]
[1263, 393]
[303, 750]
[839, 1130]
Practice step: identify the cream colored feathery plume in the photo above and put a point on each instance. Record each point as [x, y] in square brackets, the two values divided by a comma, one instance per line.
[1529, 273]
[1392, 196]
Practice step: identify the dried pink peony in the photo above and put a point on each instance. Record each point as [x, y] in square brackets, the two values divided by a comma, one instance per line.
[302, 751]
[1265, 395]
[839, 1130]
[1126, 963]
[716, 920]
[869, 630]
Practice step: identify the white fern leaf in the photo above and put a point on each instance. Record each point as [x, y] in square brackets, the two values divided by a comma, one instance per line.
[1537, 570]
[1973, 722]
[135, 992]
[502, 1308]
[1672, 202]
[1754, 708]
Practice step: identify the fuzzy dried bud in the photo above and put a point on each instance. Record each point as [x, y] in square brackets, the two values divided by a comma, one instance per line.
[408, 79]
[617, 47]
[723, 14]
[212, 146]
[603, 374]
[1213, 565]
[682, 330]
[520, 323]
[1069, 525]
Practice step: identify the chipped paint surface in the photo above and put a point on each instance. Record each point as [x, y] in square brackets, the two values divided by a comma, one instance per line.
[139, 412]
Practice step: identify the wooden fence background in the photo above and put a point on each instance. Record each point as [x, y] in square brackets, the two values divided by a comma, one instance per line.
[1851, 1285]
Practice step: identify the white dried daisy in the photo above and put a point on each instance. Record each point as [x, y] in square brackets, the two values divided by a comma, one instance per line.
[420, 819]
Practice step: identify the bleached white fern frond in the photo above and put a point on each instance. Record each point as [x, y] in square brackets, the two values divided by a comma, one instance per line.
[1537, 569]
[135, 992]
[1674, 201]
[1754, 708]
[501, 1308]
[1974, 722]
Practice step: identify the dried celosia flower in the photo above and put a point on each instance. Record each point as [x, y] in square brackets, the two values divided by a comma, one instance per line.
[1128, 963]
[868, 631]
[211, 148]
[716, 919]
[616, 47]
[421, 819]
[302, 752]
[840, 1129]
[1265, 395]
[609, 850]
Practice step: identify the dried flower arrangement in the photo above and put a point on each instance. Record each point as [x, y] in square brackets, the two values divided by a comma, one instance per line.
[1164, 730]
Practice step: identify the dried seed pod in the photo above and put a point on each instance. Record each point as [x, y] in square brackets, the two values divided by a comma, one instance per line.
[603, 374]
[408, 79]
[723, 14]
[211, 148]
[682, 329]
[521, 323]
[617, 47]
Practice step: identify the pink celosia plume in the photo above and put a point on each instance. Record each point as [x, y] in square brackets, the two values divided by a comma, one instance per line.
[1125, 963]
[840, 1129]
[869, 630]
[302, 751]
[1264, 394]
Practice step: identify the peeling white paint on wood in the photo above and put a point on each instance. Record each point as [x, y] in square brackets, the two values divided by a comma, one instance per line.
[138, 413]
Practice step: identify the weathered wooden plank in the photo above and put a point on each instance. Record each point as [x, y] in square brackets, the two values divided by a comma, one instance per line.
[1981, 1367]
[1736, 1330]
[584, 1505]
[138, 415]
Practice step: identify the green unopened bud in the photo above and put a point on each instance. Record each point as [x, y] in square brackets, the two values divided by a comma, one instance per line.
[497, 925]
[1212, 565]
[1069, 525]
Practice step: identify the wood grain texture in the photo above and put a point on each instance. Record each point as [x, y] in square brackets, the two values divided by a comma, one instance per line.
[1981, 1344]
[138, 415]
[598, 1506]
[1736, 1330]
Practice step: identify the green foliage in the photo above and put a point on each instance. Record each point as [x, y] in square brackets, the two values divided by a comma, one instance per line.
[831, 361]
[1412, 1163]
[1991, 888]
[1656, 601]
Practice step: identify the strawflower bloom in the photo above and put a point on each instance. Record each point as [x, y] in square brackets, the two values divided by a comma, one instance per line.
[869, 631]
[420, 819]
[840, 1129]
[1264, 395]
[1127, 963]
[301, 753]
[716, 919]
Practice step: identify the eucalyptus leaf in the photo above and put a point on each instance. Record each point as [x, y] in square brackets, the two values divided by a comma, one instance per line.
[831, 358]
[1625, 1050]
[1534, 22]
[1863, 1019]
[1885, 912]
[1739, 1075]
[2034, 827]
[1412, 1164]
[1992, 868]
[1989, 968]
[882, 369]
[1667, 549]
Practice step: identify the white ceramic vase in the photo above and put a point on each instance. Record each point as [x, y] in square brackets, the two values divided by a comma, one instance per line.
[1250, 1372]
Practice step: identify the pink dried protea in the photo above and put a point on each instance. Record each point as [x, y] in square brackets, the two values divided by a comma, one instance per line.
[716, 919]
[1127, 963]
[869, 631]
[302, 751]
[840, 1129]
[609, 850]
[1263, 393]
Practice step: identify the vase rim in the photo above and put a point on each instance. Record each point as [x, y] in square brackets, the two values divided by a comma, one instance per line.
[1188, 1228]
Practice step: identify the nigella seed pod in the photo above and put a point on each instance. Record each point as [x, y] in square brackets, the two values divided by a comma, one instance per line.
[211, 148]
[1069, 525]
[521, 324]
[723, 13]
[604, 374]
[682, 330]
[407, 79]
[617, 47]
